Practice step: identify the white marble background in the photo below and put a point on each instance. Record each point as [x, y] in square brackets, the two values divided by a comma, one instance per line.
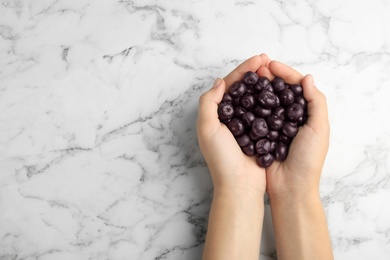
[98, 99]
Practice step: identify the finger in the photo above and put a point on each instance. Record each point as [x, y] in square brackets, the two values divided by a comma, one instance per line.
[265, 59]
[263, 71]
[251, 64]
[285, 72]
[208, 106]
[316, 105]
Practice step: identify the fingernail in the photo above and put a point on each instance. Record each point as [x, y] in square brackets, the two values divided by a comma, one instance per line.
[217, 82]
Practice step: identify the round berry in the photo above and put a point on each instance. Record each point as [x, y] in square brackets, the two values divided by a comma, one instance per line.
[289, 129]
[250, 78]
[265, 160]
[268, 99]
[259, 127]
[249, 149]
[278, 84]
[253, 136]
[236, 127]
[239, 111]
[262, 112]
[285, 139]
[279, 112]
[274, 122]
[263, 146]
[225, 111]
[301, 100]
[280, 151]
[243, 140]
[286, 97]
[227, 98]
[294, 112]
[297, 89]
[273, 135]
[237, 89]
[248, 118]
[261, 84]
[247, 101]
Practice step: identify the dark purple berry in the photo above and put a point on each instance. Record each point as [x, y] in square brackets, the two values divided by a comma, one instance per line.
[236, 127]
[247, 101]
[279, 112]
[243, 140]
[263, 146]
[268, 99]
[297, 89]
[250, 89]
[225, 111]
[278, 84]
[237, 89]
[277, 101]
[250, 78]
[274, 122]
[273, 135]
[236, 101]
[248, 118]
[273, 145]
[294, 112]
[270, 88]
[286, 97]
[226, 121]
[301, 121]
[262, 112]
[249, 149]
[253, 136]
[289, 129]
[261, 84]
[227, 98]
[281, 151]
[301, 100]
[265, 160]
[239, 111]
[259, 127]
[285, 139]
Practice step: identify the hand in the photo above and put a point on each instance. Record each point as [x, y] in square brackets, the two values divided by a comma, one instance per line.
[298, 217]
[237, 211]
[300, 172]
[228, 165]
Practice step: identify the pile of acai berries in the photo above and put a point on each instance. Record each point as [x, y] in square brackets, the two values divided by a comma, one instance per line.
[264, 116]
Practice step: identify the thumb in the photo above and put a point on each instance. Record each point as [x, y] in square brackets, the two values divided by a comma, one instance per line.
[316, 106]
[208, 106]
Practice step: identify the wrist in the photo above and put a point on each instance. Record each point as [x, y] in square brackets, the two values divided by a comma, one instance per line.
[300, 226]
[244, 197]
[295, 200]
[241, 181]
[235, 223]
[295, 192]
[239, 190]
[292, 196]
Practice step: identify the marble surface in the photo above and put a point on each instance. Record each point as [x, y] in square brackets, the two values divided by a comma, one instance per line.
[98, 102]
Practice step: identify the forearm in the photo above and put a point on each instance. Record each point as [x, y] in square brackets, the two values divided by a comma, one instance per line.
[235, 225]
[300, 228]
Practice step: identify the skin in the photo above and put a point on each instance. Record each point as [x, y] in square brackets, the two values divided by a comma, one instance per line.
[298, 216]
[237, 211]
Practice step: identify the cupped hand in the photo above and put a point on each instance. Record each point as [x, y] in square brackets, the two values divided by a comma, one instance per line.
[300, 173]
[229, 167]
